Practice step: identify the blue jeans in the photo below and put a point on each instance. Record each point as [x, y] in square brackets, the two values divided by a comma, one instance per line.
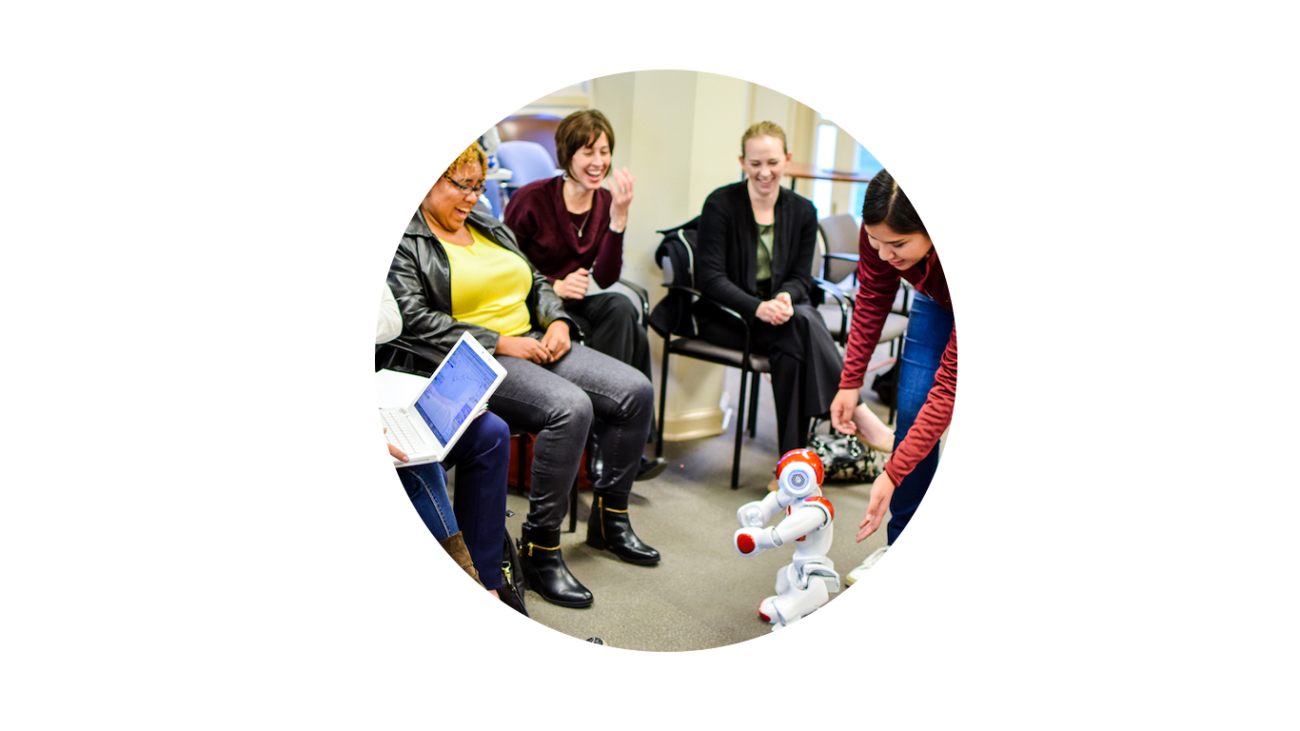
[928, 329]
[480, 460]
[426, 486]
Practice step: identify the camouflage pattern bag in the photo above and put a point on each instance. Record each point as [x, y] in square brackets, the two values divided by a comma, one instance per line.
[846, 459]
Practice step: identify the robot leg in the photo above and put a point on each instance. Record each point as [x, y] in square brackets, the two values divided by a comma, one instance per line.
[798, 603]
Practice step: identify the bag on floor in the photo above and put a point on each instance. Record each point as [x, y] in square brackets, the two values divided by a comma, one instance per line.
[512, 574]
[846, 459]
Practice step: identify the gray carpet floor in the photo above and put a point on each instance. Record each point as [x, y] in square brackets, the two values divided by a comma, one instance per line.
[702, 594]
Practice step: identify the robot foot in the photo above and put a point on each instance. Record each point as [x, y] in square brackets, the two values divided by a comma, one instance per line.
[767, 611]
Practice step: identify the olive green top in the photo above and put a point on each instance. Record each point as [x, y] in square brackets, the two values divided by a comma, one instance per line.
[765, 236]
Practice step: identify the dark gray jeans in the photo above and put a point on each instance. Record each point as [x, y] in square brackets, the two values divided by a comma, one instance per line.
[558, 402]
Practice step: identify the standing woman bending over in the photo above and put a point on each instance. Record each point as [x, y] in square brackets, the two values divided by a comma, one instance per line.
[755, 248]
[571, 228]
[457, 270]
[894, 245]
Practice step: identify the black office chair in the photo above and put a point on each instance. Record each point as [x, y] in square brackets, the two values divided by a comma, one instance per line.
[673, 320]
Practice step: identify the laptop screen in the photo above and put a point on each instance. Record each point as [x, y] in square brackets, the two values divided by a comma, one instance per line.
[454, 391]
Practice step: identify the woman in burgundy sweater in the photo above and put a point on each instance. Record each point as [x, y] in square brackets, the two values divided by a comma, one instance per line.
[571, 228]
[894, 245]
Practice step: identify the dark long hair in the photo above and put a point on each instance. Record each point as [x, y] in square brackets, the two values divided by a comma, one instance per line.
[886, 202]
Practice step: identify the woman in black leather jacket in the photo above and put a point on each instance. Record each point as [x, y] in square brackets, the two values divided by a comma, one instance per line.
[458, 270]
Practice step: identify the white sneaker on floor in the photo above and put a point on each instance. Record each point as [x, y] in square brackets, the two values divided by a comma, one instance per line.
[861, 571]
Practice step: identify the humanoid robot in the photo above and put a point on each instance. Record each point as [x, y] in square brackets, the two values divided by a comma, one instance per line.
[808, 580]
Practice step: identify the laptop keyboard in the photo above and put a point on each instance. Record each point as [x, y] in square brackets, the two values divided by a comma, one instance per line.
[398, 435]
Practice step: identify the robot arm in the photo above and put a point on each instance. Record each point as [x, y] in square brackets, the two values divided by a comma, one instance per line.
[815, 515]
[757, 513]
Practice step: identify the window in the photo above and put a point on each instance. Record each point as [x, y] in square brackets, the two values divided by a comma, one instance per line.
[824, 158]
[864, 164]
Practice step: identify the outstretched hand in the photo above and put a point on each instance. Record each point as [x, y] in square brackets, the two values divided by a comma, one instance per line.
[881, 491]
[846, 401]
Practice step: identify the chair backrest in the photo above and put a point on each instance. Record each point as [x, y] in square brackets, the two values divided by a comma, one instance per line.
[676, 256]
[527, 161]
[819, 258]
[840, 233]
[490, 201]
[539, 128]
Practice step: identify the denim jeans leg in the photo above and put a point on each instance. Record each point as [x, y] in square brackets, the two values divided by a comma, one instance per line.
[480, 460]
[426, 486]
[928, 329]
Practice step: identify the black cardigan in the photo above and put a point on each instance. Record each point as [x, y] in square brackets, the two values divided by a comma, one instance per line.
[727, 248]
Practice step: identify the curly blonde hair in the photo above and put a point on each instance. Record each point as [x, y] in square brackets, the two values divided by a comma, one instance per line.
[473, 155]
[763, 129]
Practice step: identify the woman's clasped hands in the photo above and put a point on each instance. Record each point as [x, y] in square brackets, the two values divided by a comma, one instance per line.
[776, 310]
[553, 345]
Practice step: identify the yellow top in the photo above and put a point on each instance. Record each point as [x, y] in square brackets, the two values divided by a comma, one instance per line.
[489, 286]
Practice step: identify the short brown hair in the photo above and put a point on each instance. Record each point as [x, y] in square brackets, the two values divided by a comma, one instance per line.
[473, 154]
[763, 129]
[578, 130]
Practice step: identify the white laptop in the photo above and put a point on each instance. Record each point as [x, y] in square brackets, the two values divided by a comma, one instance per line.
[458, 391]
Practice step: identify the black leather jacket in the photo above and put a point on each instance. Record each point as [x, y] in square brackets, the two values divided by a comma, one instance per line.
[420, 278]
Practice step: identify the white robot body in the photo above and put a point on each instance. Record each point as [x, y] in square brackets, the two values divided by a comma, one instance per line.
[806, 583]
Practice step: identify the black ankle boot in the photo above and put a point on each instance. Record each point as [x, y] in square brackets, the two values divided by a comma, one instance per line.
[609, 528]
[539, 552]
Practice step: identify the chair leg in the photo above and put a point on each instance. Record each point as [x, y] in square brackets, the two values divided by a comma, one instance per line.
[663, 401]
[521, 462]
[573, 507]
[740, 431]
[754, 384]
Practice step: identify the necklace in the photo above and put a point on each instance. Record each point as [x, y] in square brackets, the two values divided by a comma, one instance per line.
[578, 229]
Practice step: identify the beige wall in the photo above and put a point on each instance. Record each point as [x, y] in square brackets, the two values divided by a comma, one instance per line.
[679, 133]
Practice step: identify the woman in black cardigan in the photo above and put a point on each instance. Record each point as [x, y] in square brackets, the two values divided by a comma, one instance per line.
[755, 247]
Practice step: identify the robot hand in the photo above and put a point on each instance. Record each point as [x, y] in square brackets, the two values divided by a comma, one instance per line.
[751, 515]
[753, 541]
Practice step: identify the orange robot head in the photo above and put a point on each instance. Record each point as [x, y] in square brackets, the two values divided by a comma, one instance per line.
[797, 471]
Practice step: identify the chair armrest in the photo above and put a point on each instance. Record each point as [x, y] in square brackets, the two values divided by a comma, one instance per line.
[841, 257]
[843, 300]
[719, 305]
[642, 295]
[833, 290]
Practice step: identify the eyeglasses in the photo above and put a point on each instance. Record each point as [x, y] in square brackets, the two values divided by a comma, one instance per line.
[467, 189]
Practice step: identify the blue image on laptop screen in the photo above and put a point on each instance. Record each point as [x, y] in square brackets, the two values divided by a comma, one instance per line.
[454, 391]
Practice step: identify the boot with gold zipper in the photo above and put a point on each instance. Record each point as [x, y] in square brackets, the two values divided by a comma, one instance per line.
[545, 572]
[609, 528]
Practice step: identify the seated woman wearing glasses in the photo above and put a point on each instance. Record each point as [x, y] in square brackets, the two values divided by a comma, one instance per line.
[458, 270]
[571, 229]
[755, 247]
